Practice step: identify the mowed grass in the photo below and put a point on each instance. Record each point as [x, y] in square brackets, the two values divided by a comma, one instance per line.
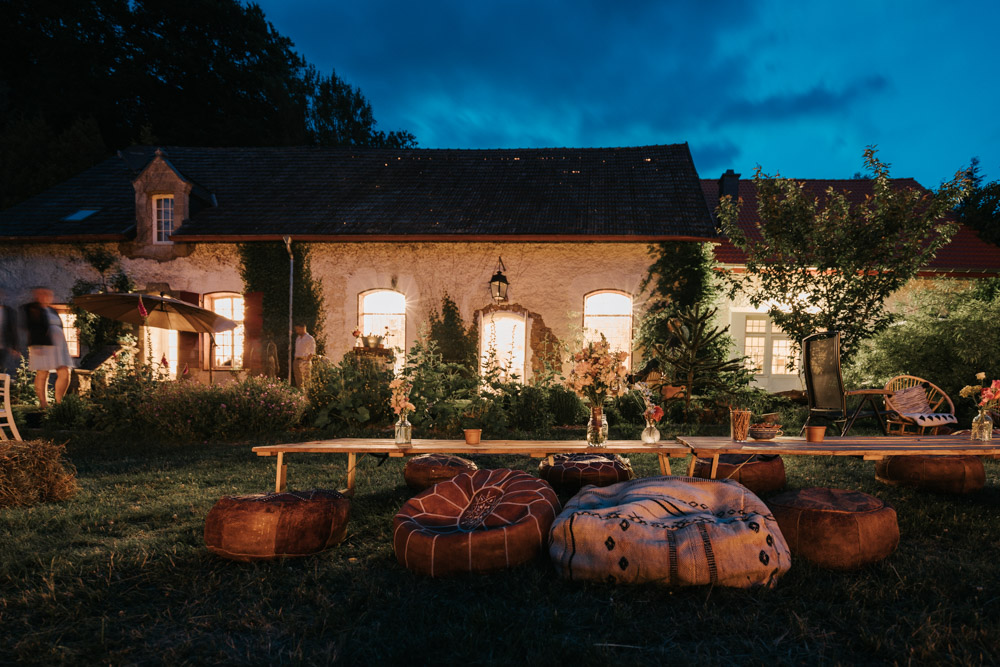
[120, 574]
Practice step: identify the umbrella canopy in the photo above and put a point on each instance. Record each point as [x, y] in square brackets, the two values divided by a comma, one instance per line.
[162, 312]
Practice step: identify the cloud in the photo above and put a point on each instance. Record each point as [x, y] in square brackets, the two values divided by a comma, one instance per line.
[818, 100]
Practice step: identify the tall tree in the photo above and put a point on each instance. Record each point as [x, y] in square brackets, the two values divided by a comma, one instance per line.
[825, 264]
[981, 209]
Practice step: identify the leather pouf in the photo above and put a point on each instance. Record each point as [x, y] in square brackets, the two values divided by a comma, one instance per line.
[568, 473]
[941, 474]
[426, 470]
[836, 529]
[276, 525]
[675, 531]
[475, 522]
[761, 473]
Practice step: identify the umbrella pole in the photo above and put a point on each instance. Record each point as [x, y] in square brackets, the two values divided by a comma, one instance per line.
[211, 357]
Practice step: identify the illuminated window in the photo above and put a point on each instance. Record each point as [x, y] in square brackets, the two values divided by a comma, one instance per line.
[781, 355]
[767, 348]
[70, 331]
[228, 344]
[163, 218]
[501, 345]
[609, 313]
[163, 351]
[384, 309]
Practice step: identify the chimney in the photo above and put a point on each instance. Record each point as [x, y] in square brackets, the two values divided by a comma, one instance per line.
[729, 184]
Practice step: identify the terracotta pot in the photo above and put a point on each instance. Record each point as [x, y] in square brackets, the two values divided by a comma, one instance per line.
[815, 433]
[473, 435]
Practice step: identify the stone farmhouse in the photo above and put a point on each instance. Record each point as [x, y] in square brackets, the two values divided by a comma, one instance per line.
[392, 231]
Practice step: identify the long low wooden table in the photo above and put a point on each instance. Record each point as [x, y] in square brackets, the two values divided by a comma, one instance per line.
[533, 448]
[871, 448]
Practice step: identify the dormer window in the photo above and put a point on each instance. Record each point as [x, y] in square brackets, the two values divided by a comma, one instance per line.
[163, 218]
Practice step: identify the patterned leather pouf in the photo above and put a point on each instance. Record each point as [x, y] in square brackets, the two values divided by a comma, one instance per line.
[940, 474]
[836, 529]
[276, 525]
[761, 473]
[426, 470]
[675, 531]
[570, 472]
[475, 522]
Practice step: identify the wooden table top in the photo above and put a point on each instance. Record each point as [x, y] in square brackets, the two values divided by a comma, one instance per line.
[536, 448]
[873, 446]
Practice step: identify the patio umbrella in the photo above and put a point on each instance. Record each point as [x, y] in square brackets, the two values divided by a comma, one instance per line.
[162, 312]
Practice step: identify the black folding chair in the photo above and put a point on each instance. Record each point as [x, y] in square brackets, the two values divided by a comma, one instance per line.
[825, 386]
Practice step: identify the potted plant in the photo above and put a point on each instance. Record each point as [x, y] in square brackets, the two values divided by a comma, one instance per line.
[371, 340]
[472, 421]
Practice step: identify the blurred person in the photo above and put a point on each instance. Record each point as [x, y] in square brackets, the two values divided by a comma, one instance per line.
[10, 344]
[305, 349]
[47, 349]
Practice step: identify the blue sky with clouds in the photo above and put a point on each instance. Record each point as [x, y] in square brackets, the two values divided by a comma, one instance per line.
[799, 88]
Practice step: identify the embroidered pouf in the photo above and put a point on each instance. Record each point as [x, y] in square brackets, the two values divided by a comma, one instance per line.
[475, 522]
[761, 473]
[568, 473]
[426, 470]
[276, 525]
[940, 474]
[835, 528]
[675, 531]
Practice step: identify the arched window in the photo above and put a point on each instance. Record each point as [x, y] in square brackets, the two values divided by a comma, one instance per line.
[228, 353]
[502, 344]
[609, 313]
[382, 312]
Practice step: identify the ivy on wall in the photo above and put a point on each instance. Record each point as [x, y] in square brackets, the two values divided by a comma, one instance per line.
[264, 269]
[95, 331]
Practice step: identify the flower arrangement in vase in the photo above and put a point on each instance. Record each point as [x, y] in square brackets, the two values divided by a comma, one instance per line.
[370, 339]
[653, 413]
[989, 399]
[597, 374]
[400, 402]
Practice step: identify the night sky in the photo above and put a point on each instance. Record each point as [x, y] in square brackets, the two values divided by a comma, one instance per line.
[799, 88]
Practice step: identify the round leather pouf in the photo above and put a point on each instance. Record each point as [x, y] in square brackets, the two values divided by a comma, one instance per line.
[475, 522]
[276, 525]
[761, 473]
[568, 473]
[941, 474]
[426, 470]
[835, 528]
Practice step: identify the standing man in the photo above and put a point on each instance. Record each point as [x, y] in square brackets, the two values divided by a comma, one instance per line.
[305, 348]
[10, 353]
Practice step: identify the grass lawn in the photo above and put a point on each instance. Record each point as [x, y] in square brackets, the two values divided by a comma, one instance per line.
[120, 574]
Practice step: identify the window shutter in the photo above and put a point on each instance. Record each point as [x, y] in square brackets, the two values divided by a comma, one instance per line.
[187, 341]
[253, 332]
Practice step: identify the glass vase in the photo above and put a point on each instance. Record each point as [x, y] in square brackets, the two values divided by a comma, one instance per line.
[403, 431]
[597, 427]
[982, 427]
[650, 434]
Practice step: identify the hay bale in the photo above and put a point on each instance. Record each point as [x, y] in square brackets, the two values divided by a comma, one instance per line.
[34, 472]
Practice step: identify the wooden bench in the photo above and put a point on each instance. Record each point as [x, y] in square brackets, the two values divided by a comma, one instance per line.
[533, 448]
[870, 448]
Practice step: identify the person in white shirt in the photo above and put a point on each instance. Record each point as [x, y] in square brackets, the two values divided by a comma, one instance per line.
[305, 348]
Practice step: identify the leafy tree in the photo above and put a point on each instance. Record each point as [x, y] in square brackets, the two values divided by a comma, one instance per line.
[825, 264]
[339, 115]
[980, 210]
[455, 343]
[96, 331]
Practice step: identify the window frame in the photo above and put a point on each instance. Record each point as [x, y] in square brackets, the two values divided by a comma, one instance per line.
[399, 358]
[209, 354]
[771, 334]
[484, 317]
[72, 339]
[631, 318]
[156, 199]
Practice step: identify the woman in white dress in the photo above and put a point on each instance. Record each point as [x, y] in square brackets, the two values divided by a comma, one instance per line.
[47, 349]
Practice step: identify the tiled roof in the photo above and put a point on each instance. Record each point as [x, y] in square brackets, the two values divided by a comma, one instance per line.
[966, 253]
[639, 193]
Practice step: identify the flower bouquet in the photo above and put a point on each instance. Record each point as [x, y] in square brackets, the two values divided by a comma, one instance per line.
[597, 374]
[653, 413]
[988, 399]
[401, 405]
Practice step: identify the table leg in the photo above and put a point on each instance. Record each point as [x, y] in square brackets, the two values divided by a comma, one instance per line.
[282, 477]
[694, 460]
[664, 464]
[352, 462]
[715, 466]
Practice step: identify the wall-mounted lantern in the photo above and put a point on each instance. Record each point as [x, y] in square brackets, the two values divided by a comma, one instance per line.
[499, 284]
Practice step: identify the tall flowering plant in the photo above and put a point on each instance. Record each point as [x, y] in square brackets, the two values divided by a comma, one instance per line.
[400, 399]
[598, 372]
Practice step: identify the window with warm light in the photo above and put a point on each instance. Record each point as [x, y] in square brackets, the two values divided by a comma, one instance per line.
[228, 352]
[163, 353]
[609, 313]
[502, 343]
[163, 218]
[383, 313]
[70, 332]
[767, 348]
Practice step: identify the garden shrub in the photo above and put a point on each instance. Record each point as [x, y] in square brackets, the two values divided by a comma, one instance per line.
[354, 393]
[119, 396]
[72, 412]
[525, 408]
[566, 408]
[259, 404]
[33, 472]
[440, 389]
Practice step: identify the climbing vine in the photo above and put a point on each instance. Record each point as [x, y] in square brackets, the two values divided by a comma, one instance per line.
[96, 331]
[264, 269]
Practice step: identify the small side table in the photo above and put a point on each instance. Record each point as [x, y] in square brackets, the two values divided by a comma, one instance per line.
[868, 397]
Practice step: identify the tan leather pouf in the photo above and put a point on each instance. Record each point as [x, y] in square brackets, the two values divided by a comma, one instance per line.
[426, 470]
[761, 473]
[568, 473]
[941, 474]
[276, 525]
[835, 528]
[475, 522]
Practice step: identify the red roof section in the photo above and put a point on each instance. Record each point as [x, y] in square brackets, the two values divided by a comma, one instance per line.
[965, 254]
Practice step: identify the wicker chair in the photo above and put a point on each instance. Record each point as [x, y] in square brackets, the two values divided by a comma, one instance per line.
[6, 415]
[926, 412]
